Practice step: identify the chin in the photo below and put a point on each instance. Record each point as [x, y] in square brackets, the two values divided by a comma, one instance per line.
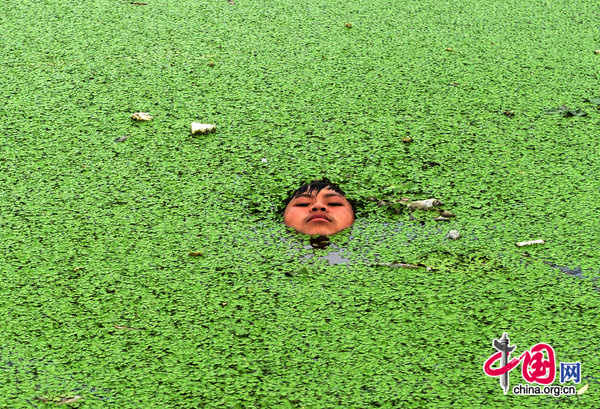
[322, 232]
[310, 231]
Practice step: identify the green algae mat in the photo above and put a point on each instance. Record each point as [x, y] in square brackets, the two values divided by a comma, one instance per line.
[145, 267]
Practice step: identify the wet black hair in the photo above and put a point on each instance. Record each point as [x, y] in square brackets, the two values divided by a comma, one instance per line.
[315, 187]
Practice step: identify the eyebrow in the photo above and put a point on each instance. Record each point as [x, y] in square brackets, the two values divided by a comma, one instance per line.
[326, 195]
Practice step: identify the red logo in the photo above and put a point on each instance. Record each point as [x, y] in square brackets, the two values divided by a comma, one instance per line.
[536, 368]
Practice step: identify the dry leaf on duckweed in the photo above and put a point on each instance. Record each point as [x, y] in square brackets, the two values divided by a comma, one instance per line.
[60, 401]
[428, 204]
[66, 401]
[141, 116]
[195, 253]
[446, 213]
[198, 128]
[122, 138]
[583, 389]
[123, 327]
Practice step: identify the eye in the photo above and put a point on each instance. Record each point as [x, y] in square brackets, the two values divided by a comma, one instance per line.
[301, 205]
[336, 204]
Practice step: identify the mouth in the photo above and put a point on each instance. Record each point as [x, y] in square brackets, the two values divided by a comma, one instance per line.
[318, 218]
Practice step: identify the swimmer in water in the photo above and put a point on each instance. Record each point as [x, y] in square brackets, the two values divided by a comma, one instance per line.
[319, 207]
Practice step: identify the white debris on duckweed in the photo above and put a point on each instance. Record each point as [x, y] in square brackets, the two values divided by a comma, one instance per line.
[141, 116]
[529, 243]
[428, 204]
[198, 128]
[453, 235]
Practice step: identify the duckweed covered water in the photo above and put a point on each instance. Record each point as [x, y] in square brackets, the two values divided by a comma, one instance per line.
[100, 298]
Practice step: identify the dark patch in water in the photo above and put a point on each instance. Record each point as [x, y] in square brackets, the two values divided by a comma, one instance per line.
[18, 367]
[576, 272]
[334, 257]
[320, 242]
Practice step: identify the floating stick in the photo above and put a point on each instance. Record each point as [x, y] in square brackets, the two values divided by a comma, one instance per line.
[529, 243]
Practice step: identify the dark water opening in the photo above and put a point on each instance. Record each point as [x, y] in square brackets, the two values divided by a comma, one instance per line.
[18, 368]
[337, 254]
[333, 257]
[576, 272]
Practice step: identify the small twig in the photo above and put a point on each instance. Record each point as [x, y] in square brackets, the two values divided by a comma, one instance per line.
[123, 327]
[529, 243]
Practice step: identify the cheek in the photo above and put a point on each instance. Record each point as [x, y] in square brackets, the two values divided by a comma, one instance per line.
[292, 216]
[346, 217]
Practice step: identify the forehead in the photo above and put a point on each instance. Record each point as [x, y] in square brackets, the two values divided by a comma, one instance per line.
[325, 194]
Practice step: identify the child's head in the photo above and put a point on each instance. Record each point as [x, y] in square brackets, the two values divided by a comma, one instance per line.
[319, 207]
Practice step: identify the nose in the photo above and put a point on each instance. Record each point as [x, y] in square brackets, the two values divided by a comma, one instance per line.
[319, 206]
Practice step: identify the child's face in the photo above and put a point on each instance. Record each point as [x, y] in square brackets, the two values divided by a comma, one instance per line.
[324, 213]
